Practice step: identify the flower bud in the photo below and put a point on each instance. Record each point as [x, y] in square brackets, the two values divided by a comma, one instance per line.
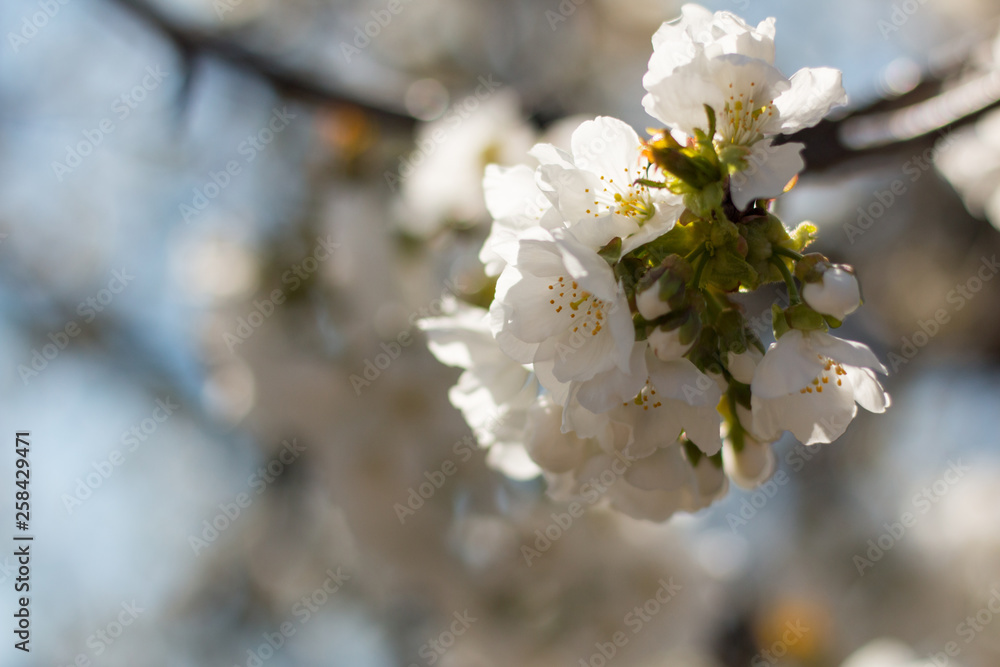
[835, 294]
[663, 289]
[649, 304]
[671, 342]
[667, 345]
[751, 466]
[743, 364]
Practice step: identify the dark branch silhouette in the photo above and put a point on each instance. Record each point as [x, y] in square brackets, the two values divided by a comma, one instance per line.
[909, 123]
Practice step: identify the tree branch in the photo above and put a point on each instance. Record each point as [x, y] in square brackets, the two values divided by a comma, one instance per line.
[192, 42]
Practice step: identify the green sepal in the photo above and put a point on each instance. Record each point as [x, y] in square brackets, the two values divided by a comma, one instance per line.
[803, 235]
[778, 322]
[727, 270]
[732, 332]
[802, 317]
[612, 252]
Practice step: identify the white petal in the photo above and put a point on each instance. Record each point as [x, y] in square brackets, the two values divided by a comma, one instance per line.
[868, 392]
[837, 294]
[788, 366]
[652, 428]
[681, 380]
[812, 417]
[701, 425]
[678, 100]
[589, 268]
[549, 154]
[847, 352]
[510, 191]
[547, 445]
[665, 469]
[814, 92]
[608, 390]
[770, 169]
[607, 147]
[513, 461]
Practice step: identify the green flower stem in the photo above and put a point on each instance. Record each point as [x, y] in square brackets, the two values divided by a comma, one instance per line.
[786, 252]
[736, 432]
[700, 269]
[715, 305]
[793, 291]
[694, 254]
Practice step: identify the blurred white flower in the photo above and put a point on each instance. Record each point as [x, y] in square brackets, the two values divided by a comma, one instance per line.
[970, 161]
[442, 178]
[516, 204]
[751, 465]
[494, 393]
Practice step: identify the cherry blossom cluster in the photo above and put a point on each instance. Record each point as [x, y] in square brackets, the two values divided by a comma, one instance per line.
[614, 341]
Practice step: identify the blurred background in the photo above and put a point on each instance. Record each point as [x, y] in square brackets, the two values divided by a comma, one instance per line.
[214, 213]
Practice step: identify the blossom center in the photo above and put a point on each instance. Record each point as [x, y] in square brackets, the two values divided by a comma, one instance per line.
[631, 200]
[585, 311]
[831, 371]
[744, 114]
[646, 398]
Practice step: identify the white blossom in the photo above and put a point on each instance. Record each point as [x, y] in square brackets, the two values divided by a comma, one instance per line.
[494, 394]
[810, 383]
[720, 61]
[594, 188]
[559, 302]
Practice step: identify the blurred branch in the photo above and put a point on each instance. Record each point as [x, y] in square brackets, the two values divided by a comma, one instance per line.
[909, 122]
[192, 42]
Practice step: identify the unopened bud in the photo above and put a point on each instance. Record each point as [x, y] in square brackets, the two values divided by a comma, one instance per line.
[836, 293]
[751, 466]
[672, 341]
[743, 364]
[663, 289]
